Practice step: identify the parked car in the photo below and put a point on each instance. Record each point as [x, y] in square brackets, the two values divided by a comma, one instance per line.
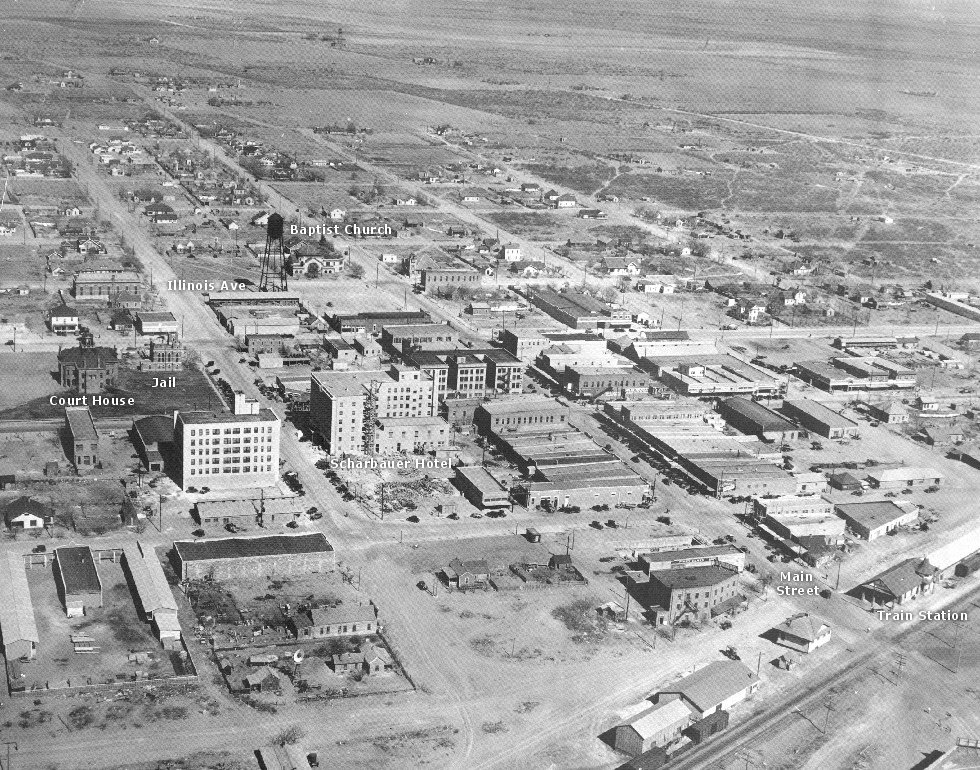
[596, 524]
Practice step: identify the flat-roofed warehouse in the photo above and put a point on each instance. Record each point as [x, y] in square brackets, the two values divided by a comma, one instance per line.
[904, 476]
[741, 476]
[820, 419]
[480, 488]
[78, 580]
[754, 419]
[873, 519]
[17, 625]
[584, 493]
[716, 375]
[234, 557]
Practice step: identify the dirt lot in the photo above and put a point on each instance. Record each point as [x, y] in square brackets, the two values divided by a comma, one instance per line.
[116, 629]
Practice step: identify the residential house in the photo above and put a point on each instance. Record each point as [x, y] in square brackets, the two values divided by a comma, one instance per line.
[27, 513]
[464, 575]
[890, 412]
[803, 632]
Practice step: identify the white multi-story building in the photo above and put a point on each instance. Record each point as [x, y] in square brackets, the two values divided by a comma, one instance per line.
[220, 450]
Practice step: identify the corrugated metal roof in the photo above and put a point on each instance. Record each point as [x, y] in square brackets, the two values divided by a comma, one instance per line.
[151, 584]
[16, 611]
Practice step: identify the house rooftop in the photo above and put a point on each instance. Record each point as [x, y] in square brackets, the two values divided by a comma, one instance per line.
[803, 625]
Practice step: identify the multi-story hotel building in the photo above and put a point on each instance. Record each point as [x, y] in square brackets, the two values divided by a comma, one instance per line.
[346, 407]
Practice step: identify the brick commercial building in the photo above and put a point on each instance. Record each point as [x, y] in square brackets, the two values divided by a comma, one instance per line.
[505, 371]
[79, 586]
[443, 280]
[373, 323]
[525, 413]
[425, 336]
[83, 437]
[617, 381]
[820, 419]
[467, 374]
[754, 419]
[256, 557]
[268, 343]
[580, 311]
[643, 413]
[697, 593]
[105, 285]
[694, 556]
[411, 434]
[17, 624]
[797, 518]
[224, 451]
[740, 476]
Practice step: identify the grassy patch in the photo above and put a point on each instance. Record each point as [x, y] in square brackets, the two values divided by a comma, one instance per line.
[579, 617]
[586, 179]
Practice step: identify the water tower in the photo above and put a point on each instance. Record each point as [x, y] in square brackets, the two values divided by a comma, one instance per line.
[273, 276]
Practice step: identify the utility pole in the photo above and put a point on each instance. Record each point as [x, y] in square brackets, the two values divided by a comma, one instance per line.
[8, 744]
[826, 719]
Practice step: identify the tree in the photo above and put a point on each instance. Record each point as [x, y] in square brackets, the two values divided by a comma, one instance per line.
[289, 735]
[355, 270]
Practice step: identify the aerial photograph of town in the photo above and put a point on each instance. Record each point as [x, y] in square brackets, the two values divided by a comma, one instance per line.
[489, 386]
